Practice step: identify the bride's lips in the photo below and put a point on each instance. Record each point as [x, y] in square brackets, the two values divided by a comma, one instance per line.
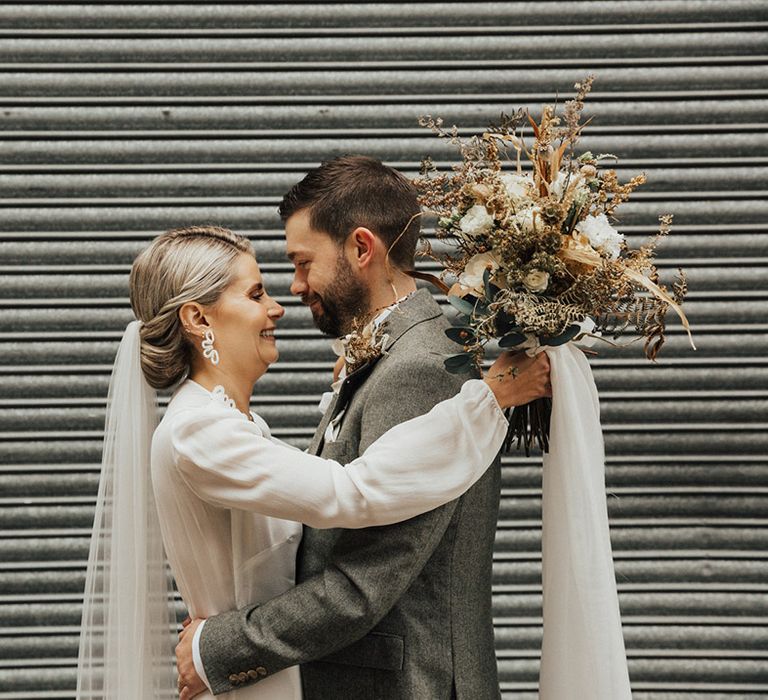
[268, 334]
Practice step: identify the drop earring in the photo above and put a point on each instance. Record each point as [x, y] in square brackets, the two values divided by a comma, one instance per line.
[209, 352]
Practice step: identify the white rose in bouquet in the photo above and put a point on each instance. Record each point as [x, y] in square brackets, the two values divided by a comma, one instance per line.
[517, 186]
[476, 221]
[574, 182]
[472, 277]
[601, 235]
[527, 219]
[557, 186]
[536, 281]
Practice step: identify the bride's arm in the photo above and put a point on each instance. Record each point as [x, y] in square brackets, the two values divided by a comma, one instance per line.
[414, 467]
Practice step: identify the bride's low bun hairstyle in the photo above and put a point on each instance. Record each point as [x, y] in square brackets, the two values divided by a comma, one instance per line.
[193, 264]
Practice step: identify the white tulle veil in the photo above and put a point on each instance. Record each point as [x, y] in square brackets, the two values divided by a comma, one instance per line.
[128, 626]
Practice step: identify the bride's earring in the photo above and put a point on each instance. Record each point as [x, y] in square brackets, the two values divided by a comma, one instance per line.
[209, 352]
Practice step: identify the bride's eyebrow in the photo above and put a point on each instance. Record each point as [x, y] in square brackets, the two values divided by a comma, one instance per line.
[257, 287]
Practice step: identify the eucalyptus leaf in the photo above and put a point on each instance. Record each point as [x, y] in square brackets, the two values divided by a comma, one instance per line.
[458, 364]
[487, 285]
[512, 339]
[506, 324]
[460, 334]
[461, 305]
[568, 334]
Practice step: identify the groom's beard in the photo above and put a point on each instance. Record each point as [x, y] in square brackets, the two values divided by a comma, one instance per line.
[342, 301]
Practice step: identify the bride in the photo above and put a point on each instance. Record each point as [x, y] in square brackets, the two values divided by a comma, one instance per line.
[211, 489]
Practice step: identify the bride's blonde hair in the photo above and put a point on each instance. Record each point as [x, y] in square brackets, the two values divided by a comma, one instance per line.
[182, 265]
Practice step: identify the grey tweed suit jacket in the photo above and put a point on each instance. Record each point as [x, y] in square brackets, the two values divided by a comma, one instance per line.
[401, 612]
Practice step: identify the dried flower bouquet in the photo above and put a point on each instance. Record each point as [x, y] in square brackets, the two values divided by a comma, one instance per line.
[535, 255]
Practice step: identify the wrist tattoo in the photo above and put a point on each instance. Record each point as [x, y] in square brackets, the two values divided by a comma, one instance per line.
[510, 370]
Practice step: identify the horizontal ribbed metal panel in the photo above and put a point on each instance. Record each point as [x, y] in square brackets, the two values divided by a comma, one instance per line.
[118, 121]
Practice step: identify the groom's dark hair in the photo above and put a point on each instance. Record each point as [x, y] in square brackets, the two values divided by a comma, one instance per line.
[351, 191]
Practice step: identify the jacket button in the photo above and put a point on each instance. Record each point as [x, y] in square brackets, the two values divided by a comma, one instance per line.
[253, 675]
[242, 676]
[261, 670]
[234, 679]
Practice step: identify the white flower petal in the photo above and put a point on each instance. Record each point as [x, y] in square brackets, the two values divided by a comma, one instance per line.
[476, 221]
[601, 235]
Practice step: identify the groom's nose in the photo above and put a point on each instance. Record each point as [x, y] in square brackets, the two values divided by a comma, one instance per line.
[299, 286]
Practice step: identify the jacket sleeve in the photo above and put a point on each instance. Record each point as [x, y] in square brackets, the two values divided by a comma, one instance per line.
[414, 467]
[369, 571]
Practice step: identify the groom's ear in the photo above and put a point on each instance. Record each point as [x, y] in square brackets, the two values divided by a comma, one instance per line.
[361, 246]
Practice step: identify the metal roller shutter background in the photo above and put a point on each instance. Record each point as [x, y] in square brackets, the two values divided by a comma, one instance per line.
[119, 121]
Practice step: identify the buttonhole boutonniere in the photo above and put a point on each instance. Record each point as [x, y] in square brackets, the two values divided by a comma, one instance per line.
[364, 343]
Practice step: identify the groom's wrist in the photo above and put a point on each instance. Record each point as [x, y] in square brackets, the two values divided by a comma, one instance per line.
[197, 658]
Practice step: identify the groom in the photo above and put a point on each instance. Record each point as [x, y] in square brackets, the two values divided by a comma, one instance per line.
[402, 611]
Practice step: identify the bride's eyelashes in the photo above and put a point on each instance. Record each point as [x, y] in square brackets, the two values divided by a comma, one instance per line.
[257, 291]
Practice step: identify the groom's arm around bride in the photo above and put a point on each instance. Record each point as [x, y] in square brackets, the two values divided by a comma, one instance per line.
[401, 611]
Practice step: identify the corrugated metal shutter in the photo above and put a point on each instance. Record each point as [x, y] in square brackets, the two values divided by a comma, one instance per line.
[119, 121]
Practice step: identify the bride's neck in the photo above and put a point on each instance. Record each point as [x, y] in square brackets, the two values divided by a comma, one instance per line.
[239, 390]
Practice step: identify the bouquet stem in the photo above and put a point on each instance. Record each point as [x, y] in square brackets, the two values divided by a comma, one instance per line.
[529, 425]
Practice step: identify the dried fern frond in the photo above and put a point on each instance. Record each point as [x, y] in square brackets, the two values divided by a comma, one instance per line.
[680, 286]
[654, 335]
[613, 324]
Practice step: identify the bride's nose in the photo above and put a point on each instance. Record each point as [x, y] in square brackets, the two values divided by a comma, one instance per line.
[276, 312]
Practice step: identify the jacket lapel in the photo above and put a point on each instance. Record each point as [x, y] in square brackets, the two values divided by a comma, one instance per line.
[347, 390]
[317, 439]
[417, 309]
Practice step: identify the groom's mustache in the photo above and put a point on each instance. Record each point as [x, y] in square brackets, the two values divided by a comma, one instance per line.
[307, 300]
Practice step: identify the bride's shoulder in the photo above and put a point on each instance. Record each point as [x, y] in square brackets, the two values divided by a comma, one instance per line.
[190, 395]
[193, 408]
[200, 426]
[192, 402]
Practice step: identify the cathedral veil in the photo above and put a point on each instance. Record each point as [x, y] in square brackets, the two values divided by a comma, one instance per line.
[128, 626]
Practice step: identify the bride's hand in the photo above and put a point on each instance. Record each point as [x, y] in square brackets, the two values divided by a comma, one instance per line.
[190, 683]
[518, 379]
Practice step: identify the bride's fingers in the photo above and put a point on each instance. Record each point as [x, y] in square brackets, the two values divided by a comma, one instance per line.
[186, 622]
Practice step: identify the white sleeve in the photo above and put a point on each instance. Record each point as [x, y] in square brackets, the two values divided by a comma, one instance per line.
[414, 467]
[197, 659]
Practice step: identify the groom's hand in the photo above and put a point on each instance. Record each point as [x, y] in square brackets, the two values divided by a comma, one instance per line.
[190, 684]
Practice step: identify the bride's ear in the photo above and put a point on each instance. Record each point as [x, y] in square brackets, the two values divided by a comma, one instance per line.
[193, 321]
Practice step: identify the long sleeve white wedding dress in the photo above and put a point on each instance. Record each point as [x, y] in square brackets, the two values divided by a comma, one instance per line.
[231, 497]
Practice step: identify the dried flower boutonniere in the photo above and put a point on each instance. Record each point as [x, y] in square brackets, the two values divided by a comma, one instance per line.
[364, 343]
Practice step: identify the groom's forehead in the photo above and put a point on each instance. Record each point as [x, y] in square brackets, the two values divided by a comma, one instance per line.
[304, 240]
